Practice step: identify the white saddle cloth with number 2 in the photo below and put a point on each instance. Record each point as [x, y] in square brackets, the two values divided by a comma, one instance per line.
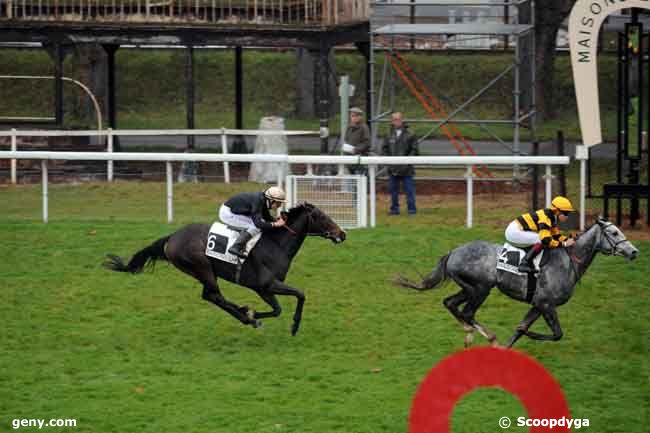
[220, 239]
[510, 257]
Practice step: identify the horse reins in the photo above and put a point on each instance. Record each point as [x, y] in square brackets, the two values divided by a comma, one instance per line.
[294, 233]
[613, 246]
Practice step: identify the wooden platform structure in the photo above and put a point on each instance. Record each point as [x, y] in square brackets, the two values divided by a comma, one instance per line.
[272, 12]
[204, 22]
[316, 25]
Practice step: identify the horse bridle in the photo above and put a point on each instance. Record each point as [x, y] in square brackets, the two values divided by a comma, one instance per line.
[613, 251]
[326, 234]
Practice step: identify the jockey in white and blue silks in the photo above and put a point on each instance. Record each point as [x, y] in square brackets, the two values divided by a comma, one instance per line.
[251, 211]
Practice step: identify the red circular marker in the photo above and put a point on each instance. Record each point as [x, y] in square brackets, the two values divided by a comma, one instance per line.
[468, 370]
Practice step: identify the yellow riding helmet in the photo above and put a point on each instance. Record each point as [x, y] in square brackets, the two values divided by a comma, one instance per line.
[562, 203]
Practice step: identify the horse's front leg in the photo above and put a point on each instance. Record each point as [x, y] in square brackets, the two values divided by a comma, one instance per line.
[279, 288]
[550, 316]
[532, 315]
[272, 301]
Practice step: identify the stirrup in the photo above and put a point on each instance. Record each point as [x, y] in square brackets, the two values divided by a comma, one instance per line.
[526, 269]
[238, 252]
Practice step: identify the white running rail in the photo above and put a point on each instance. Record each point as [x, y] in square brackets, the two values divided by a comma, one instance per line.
[371, 161]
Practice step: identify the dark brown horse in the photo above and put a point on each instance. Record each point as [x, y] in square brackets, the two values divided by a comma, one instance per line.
[264, 271]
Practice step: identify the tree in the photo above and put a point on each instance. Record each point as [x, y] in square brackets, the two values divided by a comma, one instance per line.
[549, 16]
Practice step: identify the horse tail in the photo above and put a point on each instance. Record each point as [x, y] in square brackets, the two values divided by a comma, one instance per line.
[144, 257]
[435, 277]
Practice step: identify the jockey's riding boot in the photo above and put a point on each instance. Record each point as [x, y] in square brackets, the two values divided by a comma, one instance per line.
[239, 247]
[526, 265]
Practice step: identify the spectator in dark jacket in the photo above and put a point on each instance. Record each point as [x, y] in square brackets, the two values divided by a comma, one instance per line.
[401, 142]
[357, 135]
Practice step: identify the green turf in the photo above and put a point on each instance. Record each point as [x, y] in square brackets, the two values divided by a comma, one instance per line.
[123, 353]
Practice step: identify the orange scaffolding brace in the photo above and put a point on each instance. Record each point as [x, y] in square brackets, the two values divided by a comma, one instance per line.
[434, 108]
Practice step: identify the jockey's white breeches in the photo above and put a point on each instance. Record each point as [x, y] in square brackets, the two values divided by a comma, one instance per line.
[236, 220]
[519, 237]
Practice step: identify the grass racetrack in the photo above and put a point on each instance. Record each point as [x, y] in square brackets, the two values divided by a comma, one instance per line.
[144, 353]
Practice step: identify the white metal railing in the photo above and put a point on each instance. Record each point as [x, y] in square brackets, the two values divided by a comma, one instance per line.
[371, 161]
[109, 134]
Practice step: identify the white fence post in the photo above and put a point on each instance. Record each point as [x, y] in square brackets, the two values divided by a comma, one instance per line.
[224, 150]
[13, 149]
[372, 172]
[310, 169]
[44, 176]
[583, 192]
[109, 149]
[549, 179]
[289, 190]
[280, 178]
[362, 184]
[170, 193]
[470, 196]
[582, 155]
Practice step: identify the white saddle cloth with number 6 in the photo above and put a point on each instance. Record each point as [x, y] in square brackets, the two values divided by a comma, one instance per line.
[220, 239]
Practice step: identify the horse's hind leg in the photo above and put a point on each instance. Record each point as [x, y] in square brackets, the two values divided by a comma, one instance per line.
[468, 313]
[211, 293]
[452, 303]
[466, 316]
[199, 268]
[532, 315]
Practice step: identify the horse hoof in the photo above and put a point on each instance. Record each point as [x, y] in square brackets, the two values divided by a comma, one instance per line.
[256, 323]
[495, 343]
[294, 330]
[469, 339]
[250, 313]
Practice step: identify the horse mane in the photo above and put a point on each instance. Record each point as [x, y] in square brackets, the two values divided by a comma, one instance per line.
[597, 222]
[294, 212]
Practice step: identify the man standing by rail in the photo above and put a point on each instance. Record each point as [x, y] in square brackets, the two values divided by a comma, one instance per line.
[400, 142]
[357, 138]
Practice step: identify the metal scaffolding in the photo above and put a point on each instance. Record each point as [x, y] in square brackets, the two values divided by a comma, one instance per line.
[511, 30]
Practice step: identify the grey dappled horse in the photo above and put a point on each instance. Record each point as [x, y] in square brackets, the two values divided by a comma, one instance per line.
[473, 267]
[264, 271]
